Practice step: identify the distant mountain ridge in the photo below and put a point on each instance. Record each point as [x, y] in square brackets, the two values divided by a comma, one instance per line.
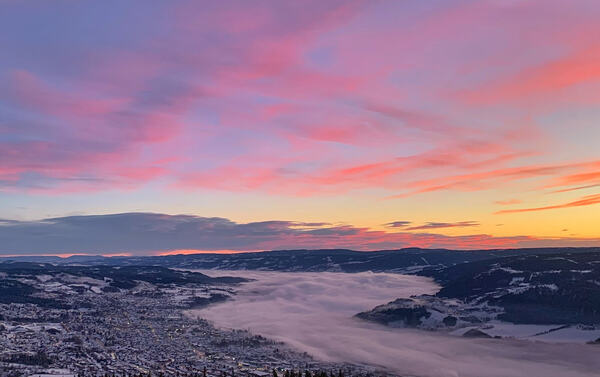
[529, 286]
[409, 260]
[542, 289]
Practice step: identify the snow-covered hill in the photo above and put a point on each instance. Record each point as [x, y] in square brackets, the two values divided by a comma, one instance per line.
[558, 292]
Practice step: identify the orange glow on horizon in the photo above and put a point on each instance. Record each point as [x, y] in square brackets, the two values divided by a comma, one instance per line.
[194, 251]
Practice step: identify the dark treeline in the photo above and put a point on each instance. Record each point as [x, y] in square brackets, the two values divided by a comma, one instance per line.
[308, 373]
[204, 373]
[39, 358]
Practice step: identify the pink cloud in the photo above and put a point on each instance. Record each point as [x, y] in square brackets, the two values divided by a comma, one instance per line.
[30, 92]
[576, 188]
[322, 98]
[580, 178]
[584, 201]
[483, 180]
[581, 67]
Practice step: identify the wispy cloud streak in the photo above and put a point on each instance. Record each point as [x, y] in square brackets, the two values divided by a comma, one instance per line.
[584, 201]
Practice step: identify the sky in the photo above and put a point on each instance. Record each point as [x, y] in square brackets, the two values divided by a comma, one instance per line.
[239, 126]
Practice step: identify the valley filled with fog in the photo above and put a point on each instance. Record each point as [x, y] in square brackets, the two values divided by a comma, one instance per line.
[313, 312]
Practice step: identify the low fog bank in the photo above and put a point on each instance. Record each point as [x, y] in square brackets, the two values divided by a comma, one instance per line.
[313, 312]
